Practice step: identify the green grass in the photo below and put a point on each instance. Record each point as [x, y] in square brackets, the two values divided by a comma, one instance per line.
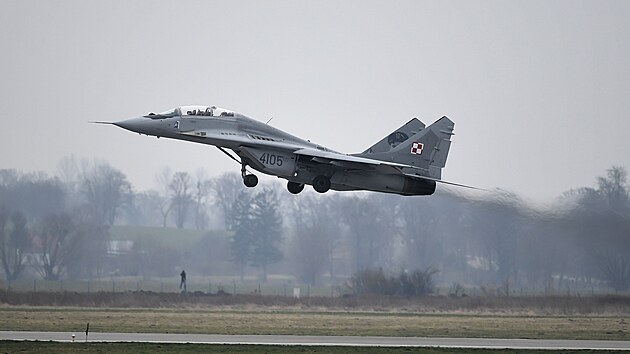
[151, 348]
[301, 322]
[231, 284]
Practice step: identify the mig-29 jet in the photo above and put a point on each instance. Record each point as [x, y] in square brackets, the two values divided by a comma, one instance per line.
[407, 162]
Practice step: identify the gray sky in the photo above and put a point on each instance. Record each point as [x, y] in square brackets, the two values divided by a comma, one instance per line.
[539, 90]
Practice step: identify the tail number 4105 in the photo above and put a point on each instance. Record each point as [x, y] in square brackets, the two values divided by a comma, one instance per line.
[271, 159]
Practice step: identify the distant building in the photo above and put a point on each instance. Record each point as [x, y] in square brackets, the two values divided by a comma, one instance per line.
[119, 247]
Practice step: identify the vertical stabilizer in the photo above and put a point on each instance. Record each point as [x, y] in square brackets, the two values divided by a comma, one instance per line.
[396, 137]
[426, 150]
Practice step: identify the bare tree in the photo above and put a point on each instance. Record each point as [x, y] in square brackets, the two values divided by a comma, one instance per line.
[498, 225]
[422, 230]
[202, 189]
[164, 206]
[146, 209]
[161, 197]
[105, 189]
[615, 268]
[316, 237]
[69, 172]
[227, 188]
[181, 197]
[14, 241]
[310, 253]
[151, 258]
[9, 177]
[59, 241]
[371, 225]
[4, 242]
[614, 189]
[34, 194]
[600, 225]
[90, 243]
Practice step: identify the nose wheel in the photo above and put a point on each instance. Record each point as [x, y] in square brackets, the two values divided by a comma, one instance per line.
[248, 180]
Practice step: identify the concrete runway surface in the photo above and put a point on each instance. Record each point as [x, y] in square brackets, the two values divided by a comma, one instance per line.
[488, 343]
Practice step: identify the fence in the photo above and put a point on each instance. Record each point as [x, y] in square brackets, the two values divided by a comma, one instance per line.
[275, 287]
[167, 285]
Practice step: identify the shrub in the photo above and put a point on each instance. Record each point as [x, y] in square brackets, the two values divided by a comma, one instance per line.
[415, 283]
[418, 282]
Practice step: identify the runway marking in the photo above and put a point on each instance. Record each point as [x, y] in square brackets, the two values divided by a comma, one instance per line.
[481, 343]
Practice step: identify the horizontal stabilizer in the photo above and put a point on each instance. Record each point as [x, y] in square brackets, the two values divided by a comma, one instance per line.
[443, 182]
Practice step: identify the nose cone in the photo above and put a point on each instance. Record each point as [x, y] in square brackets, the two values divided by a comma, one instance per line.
[137, 125]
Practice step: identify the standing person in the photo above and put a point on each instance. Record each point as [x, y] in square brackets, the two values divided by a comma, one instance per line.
[182, 284]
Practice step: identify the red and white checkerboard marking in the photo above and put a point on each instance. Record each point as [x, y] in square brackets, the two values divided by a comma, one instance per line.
[416, 148]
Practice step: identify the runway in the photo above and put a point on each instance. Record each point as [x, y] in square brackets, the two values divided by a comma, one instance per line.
[487, 343]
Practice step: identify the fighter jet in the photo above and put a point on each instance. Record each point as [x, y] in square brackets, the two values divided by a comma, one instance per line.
[408, 161]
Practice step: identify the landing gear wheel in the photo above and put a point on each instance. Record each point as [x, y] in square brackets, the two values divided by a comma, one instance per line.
[294, 187]
[321, 184]
[250, 180]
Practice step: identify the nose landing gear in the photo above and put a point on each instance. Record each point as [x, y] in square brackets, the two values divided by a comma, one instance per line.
[250, 180]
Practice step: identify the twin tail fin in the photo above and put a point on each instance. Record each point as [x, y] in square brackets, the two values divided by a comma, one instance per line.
[426, 148]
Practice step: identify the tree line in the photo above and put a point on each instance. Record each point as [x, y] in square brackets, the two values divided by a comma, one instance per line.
[59, 227]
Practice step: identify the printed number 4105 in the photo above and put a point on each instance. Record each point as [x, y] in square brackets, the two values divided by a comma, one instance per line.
[271, 159]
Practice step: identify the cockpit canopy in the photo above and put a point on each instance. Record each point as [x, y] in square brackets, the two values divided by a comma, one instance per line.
[208, 111]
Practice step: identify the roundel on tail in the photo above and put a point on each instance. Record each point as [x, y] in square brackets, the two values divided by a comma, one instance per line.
[416, 148]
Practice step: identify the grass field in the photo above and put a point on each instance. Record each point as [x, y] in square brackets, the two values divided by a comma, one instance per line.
[550, 317]
[301, 322]
[151, 348]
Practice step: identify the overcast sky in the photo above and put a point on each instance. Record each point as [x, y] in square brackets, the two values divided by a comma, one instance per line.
[539, 90]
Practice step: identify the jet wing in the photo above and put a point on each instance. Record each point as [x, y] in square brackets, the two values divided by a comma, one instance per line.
[349, 161]
[361, 163]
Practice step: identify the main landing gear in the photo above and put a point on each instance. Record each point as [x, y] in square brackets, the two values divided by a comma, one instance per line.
[321, 184]
[295, 187]
[248, 180]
